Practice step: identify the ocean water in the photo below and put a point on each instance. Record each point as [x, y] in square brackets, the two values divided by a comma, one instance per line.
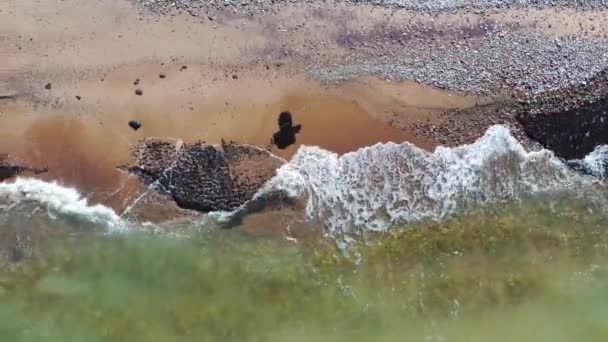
[484, 242]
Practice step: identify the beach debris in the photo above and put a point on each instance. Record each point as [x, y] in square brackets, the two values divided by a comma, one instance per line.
[286, 136]
[135, 124]
[139, 92]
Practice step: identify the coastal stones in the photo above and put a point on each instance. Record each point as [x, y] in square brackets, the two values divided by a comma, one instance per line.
[571, 121]
[139, 92]
[286, 136]
[201, 176]
[48, 86]
[135, 124]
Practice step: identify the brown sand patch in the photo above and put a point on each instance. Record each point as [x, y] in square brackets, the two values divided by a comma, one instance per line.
[82, 141]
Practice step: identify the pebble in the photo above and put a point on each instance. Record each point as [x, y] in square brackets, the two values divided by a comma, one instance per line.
[530, 63]
[135, 124]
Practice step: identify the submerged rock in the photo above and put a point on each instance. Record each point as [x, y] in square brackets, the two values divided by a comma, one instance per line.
[201, 176]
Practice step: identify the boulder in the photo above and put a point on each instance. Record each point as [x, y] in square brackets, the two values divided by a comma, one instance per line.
[200, 176]
[10, 170]
[571, 121]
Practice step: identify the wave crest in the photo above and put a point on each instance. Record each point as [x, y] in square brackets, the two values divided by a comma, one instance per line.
[58, 201]
[379, 186]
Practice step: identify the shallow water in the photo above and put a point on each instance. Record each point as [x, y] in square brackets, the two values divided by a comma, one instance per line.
[534, 271]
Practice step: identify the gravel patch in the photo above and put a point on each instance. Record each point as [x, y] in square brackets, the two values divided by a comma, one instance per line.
[454, 5]
[203, 8]
[505, 63]
[490, 59]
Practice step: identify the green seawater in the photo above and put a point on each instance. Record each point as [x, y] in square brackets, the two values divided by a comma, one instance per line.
[532, 271]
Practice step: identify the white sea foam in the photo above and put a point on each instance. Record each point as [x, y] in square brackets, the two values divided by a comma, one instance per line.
[595, 163]
[374, 188]
[58, 201]
[379, 186]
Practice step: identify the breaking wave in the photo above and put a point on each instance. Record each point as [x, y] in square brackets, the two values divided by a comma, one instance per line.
[383, 185]
[594, 164]
[369, 190]
[58, 201]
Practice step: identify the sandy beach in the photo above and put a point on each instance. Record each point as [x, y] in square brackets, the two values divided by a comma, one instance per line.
[70, 72]
[198, 81]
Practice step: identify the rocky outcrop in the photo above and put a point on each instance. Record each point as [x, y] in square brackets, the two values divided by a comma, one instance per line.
[571, 121]
[10, 170]
[201, 176]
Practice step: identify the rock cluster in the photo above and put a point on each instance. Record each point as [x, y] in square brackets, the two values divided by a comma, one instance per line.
[570, 121]
[201, 176]
[207, 8]
[505, 61]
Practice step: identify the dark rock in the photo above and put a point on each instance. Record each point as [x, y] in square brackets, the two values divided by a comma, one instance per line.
[78, 98]
[139, 92]
[203, 177]
[47, 86]
[286, 136]
[572, 133]
[235, 77]
[571, 122]
[135, 124]
[162, 76]
[9, 170]
[136, 82]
